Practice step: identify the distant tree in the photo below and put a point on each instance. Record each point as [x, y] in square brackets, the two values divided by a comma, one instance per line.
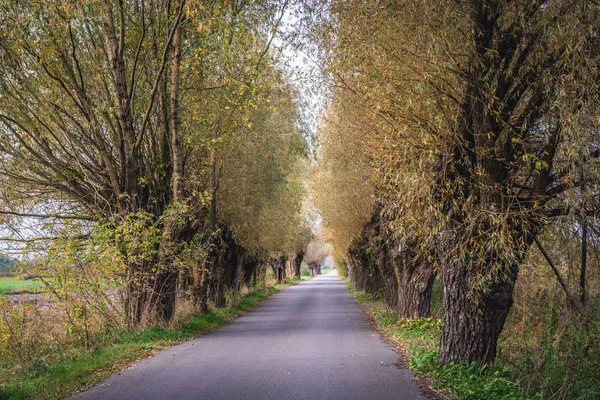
[7, 266]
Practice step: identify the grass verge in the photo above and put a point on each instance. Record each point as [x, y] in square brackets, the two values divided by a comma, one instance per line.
[419, 340]
[70, 370]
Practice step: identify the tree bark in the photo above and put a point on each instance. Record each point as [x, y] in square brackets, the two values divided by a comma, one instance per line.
[200, 287]
[249, 271]
[314, 268]
[474, 315]
[414, 292]
[279, 269]
[175, 117]
[297, 262]
[582, 278]
[164, 296]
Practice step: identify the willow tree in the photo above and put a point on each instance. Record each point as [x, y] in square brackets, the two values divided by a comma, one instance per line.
[95, 120]
[482, 115]
[388, 151]
[342, 186]
[261, 177]
[527, 107]
[80, 92]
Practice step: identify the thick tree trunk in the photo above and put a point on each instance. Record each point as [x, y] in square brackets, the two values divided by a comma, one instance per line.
[414, 294]
[474, 313]
[249, 271]
[382, 257]
[371, 265]
[163, 296]
[314, 268]
[135, 295]
[279, 269]
[350, 270]
[151, 295]
[226, 261]
[200, 286]
[357, 265]
[297, 262]
[216, 294]
[415, 275]
[239, 267]
[403, 278]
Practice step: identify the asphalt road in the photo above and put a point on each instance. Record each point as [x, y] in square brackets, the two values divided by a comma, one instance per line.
[310, 341]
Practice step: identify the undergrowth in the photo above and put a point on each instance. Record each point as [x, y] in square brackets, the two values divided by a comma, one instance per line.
[466, 381]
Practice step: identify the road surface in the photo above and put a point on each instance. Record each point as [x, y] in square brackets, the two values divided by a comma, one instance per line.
[310, 341]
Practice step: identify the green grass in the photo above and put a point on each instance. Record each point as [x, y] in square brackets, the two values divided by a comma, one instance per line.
[63, 372]
[16, 286]
[466, 381]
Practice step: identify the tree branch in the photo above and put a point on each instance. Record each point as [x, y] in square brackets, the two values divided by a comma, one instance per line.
[57, 216]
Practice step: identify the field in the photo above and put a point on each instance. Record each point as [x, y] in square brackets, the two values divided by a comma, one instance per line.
[15, 286]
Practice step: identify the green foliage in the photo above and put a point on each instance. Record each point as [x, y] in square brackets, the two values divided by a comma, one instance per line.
[466, 381]
[341, 182]
[340, 265]
[304, 269]
[264, 204]
[108, 78]
[566, 364]
[385, 318]
[429, 328]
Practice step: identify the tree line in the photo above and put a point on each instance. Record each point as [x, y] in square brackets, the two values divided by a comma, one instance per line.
[150, 151]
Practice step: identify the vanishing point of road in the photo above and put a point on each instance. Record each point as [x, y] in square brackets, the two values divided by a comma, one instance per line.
[310, 341]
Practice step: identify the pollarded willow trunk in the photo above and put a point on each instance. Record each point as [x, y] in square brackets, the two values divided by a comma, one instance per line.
[384, 282]
[365, 255]
[414, 297]
[314, 268]
[366, 274]
[224, 267]
[278, 266]
[163, 296]
[379, 256]
[249, 270]
[356, 260]
[414, 293]
[402, 277]
[415, 275]
[478, 295]
[151, 285]
[350, 270]
[200, 285]
[239, 270]
[150, 292]
[297, 262]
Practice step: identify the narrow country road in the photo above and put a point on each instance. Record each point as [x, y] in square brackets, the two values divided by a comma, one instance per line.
[310, 341]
